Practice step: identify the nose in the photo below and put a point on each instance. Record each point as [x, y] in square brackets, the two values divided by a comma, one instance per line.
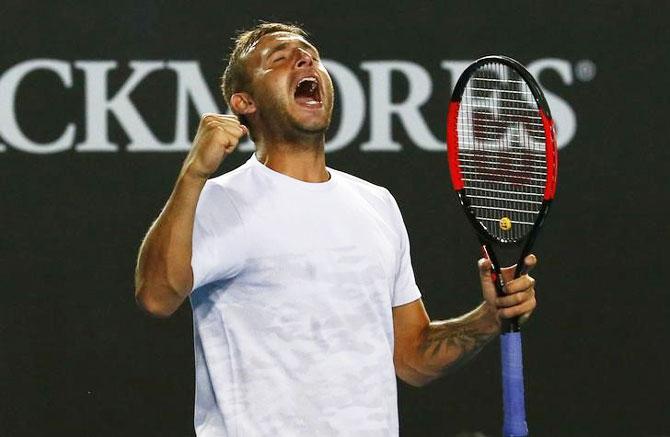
[305, 60]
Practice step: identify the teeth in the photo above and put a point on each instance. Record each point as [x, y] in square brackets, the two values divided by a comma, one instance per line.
[306, 79]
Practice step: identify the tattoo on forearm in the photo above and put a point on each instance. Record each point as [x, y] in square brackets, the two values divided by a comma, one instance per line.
[464, 341]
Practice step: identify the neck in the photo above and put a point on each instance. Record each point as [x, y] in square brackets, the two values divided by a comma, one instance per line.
[304, 162]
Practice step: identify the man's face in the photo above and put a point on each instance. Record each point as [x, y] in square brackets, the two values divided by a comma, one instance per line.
[292, 90]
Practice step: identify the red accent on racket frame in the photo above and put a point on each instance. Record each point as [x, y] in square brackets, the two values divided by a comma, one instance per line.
[452, 146]
[485, 254]
[551, 156]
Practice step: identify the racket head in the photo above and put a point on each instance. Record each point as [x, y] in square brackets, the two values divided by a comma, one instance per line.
[501, 148]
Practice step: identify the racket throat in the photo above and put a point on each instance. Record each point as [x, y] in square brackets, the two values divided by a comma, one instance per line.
[496, 276]
[506, 325]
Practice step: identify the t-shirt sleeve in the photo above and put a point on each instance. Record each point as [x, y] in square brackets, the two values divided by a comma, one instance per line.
[405, 289]
[219, 250]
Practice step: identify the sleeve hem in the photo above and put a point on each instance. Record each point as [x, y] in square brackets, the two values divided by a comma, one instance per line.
[408, 296]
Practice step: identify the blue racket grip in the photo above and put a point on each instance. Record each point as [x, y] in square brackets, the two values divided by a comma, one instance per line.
[514, 410]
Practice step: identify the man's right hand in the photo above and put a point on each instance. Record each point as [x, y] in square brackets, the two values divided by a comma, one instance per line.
[217, 137]
[164, 277]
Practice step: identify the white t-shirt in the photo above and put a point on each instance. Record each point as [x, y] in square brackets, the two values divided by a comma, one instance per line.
[294, 283]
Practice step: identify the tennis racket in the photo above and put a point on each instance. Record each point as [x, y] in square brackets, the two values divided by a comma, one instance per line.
[503, 159]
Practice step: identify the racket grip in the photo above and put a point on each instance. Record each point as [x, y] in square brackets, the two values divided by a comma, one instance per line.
[514, 410]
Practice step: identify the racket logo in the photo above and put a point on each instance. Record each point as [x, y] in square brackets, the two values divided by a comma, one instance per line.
[501, 107]
[504, 129]
[505, 170]
[505, 224]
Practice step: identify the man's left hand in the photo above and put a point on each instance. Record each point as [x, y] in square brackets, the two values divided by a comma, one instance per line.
[519, 299]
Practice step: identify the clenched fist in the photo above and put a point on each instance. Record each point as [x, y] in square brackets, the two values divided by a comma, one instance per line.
[217, 137]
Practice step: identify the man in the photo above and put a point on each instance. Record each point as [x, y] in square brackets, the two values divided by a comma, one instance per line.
[305, 306]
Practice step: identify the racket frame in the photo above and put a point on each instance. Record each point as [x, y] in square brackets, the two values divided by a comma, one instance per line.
[487, 240]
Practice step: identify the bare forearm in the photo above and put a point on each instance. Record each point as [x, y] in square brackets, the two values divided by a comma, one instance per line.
[163, 277]
[425, 350]
[446, 345]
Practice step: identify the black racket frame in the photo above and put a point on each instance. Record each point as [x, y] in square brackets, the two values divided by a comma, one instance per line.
[485, 237]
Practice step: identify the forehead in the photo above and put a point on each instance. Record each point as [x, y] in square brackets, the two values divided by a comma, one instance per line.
[267, 42]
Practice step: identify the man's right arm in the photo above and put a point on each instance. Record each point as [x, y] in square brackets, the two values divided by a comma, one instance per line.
[163, 276]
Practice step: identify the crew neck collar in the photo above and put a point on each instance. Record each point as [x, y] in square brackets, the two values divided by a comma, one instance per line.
[289, 180]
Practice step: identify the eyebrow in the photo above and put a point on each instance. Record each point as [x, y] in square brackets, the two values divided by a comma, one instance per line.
[285, 44]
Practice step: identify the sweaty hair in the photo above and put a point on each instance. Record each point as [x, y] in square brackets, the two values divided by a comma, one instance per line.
[236, 77]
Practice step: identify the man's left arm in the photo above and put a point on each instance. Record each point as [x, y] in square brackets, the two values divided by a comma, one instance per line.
[425, 349]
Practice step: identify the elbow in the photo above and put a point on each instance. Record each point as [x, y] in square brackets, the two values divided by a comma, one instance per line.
[414, 379]
[152, 305]
[412, 375]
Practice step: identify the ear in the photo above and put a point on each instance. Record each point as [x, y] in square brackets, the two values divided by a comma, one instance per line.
[242, 103]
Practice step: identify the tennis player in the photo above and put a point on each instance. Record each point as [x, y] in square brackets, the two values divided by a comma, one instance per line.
[305, 306]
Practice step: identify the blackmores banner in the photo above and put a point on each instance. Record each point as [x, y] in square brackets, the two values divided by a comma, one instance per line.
[99, 103]
[192, 95]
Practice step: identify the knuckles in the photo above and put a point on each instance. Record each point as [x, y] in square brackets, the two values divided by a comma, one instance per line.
[207, 118]
[531, 282]
[521, 284]
[210, 118]
[519, 303]
[522, 309]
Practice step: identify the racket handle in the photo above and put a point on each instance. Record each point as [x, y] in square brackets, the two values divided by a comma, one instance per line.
[514, 410]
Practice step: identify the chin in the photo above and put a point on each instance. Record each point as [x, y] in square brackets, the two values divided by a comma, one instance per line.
[311, 124]
[313, 127]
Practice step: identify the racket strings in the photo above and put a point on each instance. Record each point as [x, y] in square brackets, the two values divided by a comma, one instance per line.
[502, 151]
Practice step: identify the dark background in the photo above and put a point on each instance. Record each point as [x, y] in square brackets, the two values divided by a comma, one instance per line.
[77, 358]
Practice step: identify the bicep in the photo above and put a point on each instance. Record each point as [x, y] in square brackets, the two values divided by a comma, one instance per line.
[410, 322]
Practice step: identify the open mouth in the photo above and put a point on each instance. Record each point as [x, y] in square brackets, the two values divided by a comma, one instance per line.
[307, 92]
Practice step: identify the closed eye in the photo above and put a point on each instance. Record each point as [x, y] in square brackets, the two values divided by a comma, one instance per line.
[280, 58]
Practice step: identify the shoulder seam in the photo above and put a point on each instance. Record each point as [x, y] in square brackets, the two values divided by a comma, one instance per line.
[233, 172]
